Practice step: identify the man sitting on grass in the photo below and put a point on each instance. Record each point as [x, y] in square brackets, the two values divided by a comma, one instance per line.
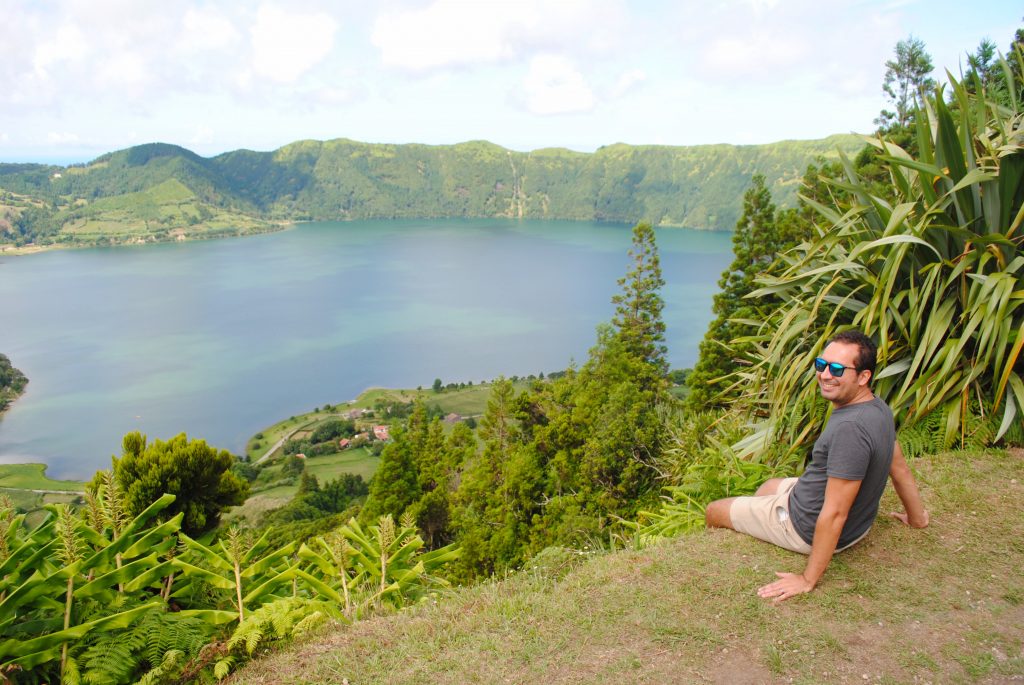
[833, 504]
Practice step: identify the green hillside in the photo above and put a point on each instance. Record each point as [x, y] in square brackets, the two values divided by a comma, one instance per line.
[166, 211]
[164, 192]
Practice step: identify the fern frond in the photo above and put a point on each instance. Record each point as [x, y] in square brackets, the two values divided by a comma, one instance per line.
[279, 619]
[167, 671]
[109, 662]
[223, 667]
[309, 623]
[70, 674]
[164, 632]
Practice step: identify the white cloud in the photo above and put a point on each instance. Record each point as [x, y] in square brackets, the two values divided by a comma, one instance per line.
[287, 44]
[334, 96]
[553, 85]
[447, 33]
[61, 138]
[126, 70]
[67, 44]
[4, 138]
[459, 33]
[207, 29]
[202, 136]
[754, 53]
[627, 81]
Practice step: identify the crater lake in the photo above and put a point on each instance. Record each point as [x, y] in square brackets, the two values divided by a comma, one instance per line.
[219, 339]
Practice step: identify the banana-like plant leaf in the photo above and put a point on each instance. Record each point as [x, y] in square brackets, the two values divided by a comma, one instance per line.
[114, 621]
[207, 554]
[263, 565]
[120, 575]
[268, 585]
[154, 536]
[322, 588]
[214, 617]
[196, 572]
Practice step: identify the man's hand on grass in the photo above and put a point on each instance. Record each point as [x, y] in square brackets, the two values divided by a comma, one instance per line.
[919, 522]
[788, 585]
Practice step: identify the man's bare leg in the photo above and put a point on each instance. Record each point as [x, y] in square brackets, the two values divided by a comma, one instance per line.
[769, 487]
[716, 515]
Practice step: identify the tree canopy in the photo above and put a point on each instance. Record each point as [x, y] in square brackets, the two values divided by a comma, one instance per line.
[906, 83]
[755, 245]
[12, 382]
[199, 476]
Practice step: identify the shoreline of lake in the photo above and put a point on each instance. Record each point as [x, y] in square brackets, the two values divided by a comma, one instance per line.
[10, 250]
[25, 250]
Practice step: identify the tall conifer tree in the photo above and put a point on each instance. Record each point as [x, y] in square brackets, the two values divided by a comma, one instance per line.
[755, 243]
[638, 307]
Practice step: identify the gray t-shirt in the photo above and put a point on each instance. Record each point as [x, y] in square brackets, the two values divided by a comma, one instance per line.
[857, 444]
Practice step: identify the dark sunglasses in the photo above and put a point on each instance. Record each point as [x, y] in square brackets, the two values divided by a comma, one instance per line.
[835, 368]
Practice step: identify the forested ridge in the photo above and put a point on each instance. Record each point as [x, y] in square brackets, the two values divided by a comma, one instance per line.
[159, 191]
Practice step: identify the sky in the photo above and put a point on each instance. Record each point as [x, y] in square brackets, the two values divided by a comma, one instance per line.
[79, 78]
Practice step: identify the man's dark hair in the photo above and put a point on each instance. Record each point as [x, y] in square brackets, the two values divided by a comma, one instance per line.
[867, 351]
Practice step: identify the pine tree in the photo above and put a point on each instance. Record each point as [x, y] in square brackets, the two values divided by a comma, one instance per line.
[756, 242]
[638, 307]
[616, 397]
[906, 83]
[395, 484]
[492, 533]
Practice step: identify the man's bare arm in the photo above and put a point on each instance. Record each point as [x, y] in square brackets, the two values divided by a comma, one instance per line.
[839, 496]
[906, 487]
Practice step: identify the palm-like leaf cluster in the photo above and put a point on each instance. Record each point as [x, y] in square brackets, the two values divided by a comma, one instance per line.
[934, 271]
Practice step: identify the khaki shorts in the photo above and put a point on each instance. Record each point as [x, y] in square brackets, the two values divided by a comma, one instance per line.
[767, 518]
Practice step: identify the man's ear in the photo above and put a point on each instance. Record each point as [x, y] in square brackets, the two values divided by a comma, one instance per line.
[864, 377]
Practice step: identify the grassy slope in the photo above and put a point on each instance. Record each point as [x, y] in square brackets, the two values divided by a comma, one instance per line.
[166, 210]
[945, 604]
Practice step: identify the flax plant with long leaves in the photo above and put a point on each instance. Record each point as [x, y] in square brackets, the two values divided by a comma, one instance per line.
[934, 272]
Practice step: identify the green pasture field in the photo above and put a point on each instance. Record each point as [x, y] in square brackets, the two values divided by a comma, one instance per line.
[680, 392]
[26, 500]
[468, 401]
[32, 502]
[359, 461]
[18, 481]
[33, 477]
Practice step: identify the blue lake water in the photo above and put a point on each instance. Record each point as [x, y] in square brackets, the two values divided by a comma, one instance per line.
[219, 339]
